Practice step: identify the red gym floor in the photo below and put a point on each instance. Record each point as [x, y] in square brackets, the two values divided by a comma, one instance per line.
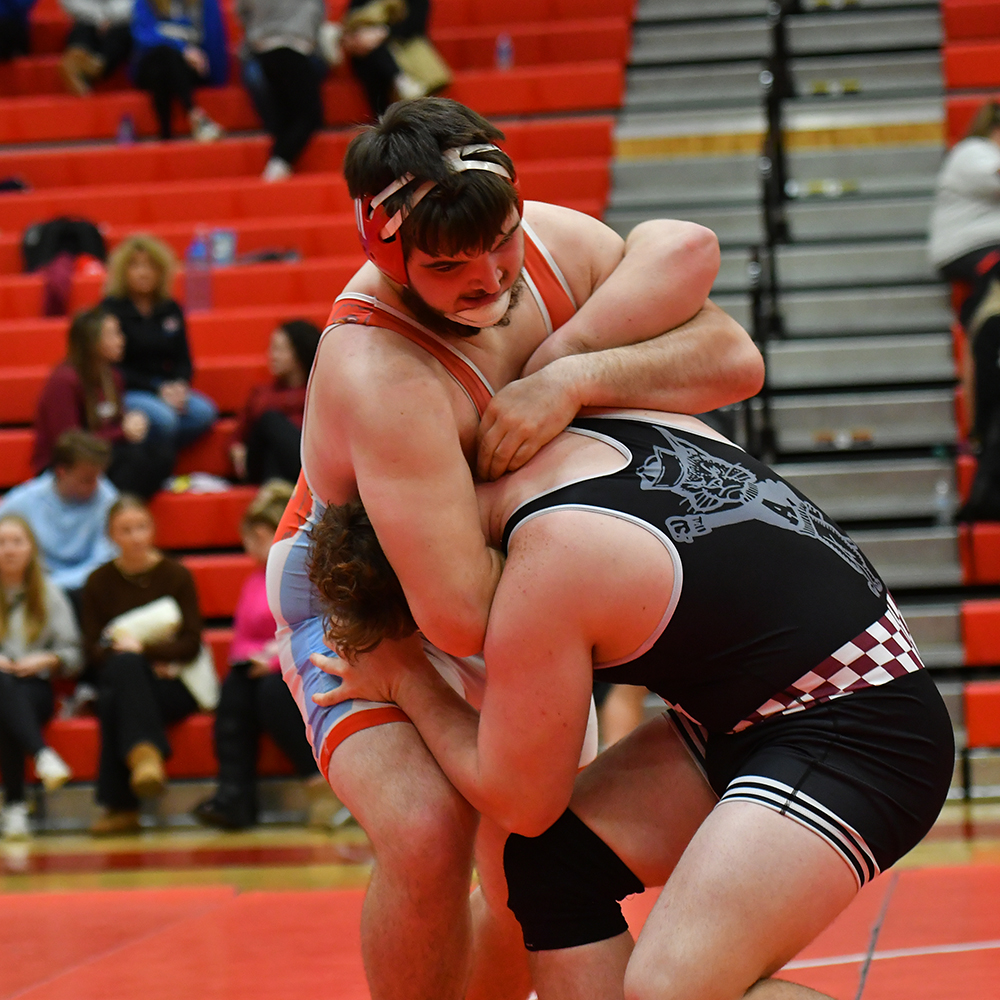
[173, 916]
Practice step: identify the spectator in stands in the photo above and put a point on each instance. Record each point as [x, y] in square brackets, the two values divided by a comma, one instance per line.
[965, 246]
[98, 42]
[179, 45]
[14, 28]
[254, 698]
[39, 638]
[86, 391]
[266, 439]
[143, 685]
[283, 37]
[157, 362]
[67, 508]
[390, 54]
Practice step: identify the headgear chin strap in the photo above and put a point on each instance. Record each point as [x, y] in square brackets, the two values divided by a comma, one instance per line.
[379, 230]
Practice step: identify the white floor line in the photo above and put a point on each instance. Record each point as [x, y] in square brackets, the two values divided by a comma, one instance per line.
[934, 949]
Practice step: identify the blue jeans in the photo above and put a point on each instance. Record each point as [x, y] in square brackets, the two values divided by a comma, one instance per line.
[165, 422]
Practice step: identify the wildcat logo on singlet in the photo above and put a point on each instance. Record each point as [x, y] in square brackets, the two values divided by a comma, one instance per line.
[720, 493]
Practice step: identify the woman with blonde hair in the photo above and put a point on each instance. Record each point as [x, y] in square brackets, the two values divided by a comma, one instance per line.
[86, 391]
[38, 639]
[254, 697]
[143, 673]
[157, 360]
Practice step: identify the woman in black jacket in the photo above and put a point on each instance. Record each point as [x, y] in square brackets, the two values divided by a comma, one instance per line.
[157, 363]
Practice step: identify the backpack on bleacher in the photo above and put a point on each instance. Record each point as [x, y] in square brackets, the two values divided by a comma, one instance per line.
[44, 241]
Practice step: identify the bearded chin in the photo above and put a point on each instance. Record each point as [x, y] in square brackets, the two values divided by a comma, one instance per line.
[440, 323]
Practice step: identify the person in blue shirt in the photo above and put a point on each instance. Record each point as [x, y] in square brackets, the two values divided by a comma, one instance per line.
[179, 45]
[67, 509]
[14, 28]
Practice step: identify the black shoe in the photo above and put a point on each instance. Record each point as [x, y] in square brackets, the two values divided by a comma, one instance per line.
[226, 815]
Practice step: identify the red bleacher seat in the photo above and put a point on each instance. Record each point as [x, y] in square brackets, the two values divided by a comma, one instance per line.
[981, 632]
[979, 545]
[964, 19]
[971, 64]
[200, 520]
[219, 579]
[78, 743]
[981, 703]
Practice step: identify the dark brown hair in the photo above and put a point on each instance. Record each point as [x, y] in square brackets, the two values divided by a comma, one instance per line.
[74, 446]
[986, 119]
[466, 212]
[83, 356]
[127, 501]
[361, 595]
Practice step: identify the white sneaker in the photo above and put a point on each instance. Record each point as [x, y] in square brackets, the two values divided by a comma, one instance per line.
[14, 822]
[53, 771]
[277, 169]
[203, 129]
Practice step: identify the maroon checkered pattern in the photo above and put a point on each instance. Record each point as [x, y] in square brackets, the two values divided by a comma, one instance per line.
[883, 652]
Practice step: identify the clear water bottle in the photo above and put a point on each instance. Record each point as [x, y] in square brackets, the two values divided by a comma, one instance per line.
[504, 51]
[198, 273]
[125, 135]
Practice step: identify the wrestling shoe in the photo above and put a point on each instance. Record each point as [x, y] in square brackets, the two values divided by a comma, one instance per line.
[52, 770]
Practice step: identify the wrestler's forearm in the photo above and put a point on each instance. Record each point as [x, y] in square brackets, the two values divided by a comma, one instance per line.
[663, 279]
[705, 363]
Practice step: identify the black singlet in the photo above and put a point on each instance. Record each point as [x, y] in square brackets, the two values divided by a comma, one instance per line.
[766, 585]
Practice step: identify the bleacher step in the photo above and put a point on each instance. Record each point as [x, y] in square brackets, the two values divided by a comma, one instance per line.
[877, 489]
[914, 558]
[846, 361]
[937, 630]
[864, 420]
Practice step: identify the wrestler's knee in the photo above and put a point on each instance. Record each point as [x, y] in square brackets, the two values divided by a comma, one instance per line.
[662, 972]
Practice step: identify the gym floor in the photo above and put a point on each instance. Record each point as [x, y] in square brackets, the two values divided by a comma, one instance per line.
[273, 914]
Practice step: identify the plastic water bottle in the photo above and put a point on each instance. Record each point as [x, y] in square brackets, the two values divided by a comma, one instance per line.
[504, 51]
[125, 135]
[198, 273]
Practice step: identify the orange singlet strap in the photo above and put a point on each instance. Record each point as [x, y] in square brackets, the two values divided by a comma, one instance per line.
[548, 281]
[369, 312]
[296, 511]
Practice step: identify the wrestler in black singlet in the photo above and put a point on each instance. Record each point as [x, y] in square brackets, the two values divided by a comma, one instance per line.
[792, 676]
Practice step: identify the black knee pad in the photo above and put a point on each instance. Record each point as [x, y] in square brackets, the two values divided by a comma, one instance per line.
[565, 886]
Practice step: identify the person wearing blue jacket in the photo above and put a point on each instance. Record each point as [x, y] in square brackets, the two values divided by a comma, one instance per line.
[14, 27]
[179, 45]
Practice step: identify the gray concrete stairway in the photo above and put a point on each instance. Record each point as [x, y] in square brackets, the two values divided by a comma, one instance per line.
[863, 397]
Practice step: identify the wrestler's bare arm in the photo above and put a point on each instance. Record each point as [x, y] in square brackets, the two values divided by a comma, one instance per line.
[386, 415]
[614, 352]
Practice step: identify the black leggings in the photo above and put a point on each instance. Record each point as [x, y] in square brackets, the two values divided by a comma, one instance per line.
[273, 448]
[249, 706]
[26, 704]
[296, 103]
[134, 706]
[113, 44]
[167, 75]
[141, 467]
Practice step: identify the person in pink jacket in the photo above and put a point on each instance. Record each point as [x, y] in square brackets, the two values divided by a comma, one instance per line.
[254, 698]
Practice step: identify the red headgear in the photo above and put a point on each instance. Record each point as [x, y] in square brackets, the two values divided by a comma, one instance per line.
[379, 231]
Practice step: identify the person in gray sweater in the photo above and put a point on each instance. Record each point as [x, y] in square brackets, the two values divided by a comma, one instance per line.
[282, 36]
[98, 42]
[39, 639]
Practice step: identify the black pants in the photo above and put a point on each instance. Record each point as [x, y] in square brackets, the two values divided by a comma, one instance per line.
[248, 706]
[13, 37]
[297, 110]
[134, 706]
[376, 72]
[273, 449]
[113, 45]
[167, 75]
[141, 468]
[26, 704]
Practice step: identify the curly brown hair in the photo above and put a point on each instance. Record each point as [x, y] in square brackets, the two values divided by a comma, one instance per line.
[361, 595]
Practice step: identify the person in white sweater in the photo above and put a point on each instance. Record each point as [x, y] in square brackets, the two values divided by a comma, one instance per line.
[39, 639]
[98, 42]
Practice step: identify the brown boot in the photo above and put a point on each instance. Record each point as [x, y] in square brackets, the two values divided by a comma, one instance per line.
[74, 65]
[148, 778]
[115, 822]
